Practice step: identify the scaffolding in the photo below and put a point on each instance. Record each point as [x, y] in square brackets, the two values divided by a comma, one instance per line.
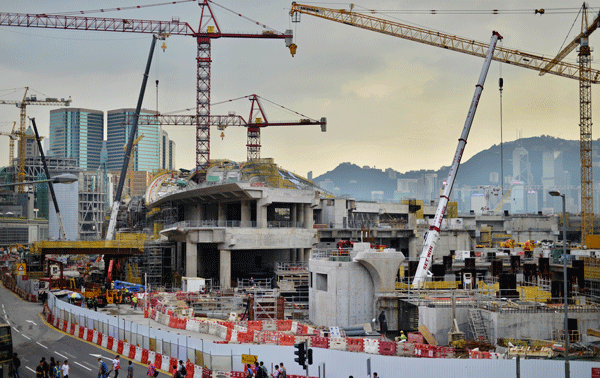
[293, 280]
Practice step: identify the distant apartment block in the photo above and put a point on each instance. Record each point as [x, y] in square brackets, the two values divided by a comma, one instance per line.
[77, 133]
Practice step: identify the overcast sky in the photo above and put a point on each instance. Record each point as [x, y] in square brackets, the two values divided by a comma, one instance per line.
[389, 102]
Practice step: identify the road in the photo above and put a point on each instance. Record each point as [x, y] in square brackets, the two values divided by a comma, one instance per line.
[32, 340]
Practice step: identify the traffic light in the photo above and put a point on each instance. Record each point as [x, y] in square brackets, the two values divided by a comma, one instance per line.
[301, 353]
[309, 356]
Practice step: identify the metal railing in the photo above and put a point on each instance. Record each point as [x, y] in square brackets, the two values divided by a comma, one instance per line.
[212, 223]
[331, 254]
[291, 267]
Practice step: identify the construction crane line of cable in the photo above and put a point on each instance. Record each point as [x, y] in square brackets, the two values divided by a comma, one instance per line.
[241, 98]
[534, 11]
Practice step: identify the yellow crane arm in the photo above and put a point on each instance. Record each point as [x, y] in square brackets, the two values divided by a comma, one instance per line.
[571, 46]
[446, 41]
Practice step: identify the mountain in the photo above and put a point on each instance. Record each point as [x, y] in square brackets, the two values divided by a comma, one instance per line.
[562, 165]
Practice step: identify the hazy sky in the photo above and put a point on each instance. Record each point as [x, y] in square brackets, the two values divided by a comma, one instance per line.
[390, 103]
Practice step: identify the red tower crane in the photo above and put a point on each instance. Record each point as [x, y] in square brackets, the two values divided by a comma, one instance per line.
[257, 120]
[208, 29]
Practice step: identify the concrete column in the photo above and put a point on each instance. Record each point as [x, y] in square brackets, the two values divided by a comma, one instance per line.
[246, 214]
[261, 216]
[222, 215]
[300, 215]
[294, 214]
[191, 259]
[308, 219]
[225, 269]
[306, 256]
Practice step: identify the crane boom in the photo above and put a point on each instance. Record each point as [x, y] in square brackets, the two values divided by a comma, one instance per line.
[434, 230]
[438, 39]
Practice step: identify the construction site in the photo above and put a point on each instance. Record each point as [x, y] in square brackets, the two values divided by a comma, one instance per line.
[260, 255]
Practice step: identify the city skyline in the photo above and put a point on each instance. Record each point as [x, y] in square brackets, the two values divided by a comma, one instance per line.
[386, 99]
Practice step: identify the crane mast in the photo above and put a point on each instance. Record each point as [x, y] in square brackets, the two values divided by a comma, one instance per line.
[434, 230]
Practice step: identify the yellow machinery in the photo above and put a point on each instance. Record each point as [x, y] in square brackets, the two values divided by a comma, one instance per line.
[23, 120]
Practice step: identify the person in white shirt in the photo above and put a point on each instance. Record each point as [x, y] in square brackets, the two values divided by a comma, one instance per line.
[116, 365]
[65, 369]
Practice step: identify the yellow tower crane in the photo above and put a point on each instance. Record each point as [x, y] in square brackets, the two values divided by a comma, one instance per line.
[581, 72]
[32, 100]
[130, 168]
[11, 147]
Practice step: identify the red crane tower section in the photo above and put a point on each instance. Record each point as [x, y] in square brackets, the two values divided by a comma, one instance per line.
[208, 29]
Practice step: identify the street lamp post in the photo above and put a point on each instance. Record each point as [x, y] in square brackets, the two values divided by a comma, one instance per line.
[556, 193]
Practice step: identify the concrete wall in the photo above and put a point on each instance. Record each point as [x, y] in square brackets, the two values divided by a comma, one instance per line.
[350, 294]
[439, 321]
[504, 325]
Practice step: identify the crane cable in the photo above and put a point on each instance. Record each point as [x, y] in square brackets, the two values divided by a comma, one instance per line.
[120, 8]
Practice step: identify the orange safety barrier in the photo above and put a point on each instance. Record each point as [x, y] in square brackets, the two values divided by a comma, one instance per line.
[72, 330]
[319, 342]
[110, 342]
[284, 325]
[254, 325]
[237, 374]
[355, 345]
[65, 326]
[206, 373]
[90, 335]
[158, 361]
[132, 351]
[99, 341]
[301, 329]
[120, 347]
[189, 368]
[387, 348]
[145, 312]
[286, 339]
[81, 332]
[145, 355]
[172, 362]
[246, 337]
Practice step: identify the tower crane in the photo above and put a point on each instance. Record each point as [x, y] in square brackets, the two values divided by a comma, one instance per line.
[585, 117]
[509, 56]
[32, 100]
[257, 120]
[208, 30]
[11, 147]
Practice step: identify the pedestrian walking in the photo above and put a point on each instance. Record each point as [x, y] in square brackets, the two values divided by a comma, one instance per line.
[65, 369]
[56, 372]
[39, 370]
[282, 370]
[249, 372]
[102, 369]
[46, 367]
[52, 365]
[262, 371]
[95, 304]
[175, 372]
[181, 370]
[374, 375]
[130, 370]
[116, 365]
[16, 365]
[152, 370]
[276, 372]
[134, 302]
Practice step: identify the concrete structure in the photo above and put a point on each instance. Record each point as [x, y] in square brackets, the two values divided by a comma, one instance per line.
[346, 286]
[234, 229]
[77, 133]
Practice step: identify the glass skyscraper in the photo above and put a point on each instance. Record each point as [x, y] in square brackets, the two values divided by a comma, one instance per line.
[154, 151]
[77, 133]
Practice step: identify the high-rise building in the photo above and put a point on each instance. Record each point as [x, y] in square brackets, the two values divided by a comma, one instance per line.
[77, 133]
[147, 154]
[167, 151]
